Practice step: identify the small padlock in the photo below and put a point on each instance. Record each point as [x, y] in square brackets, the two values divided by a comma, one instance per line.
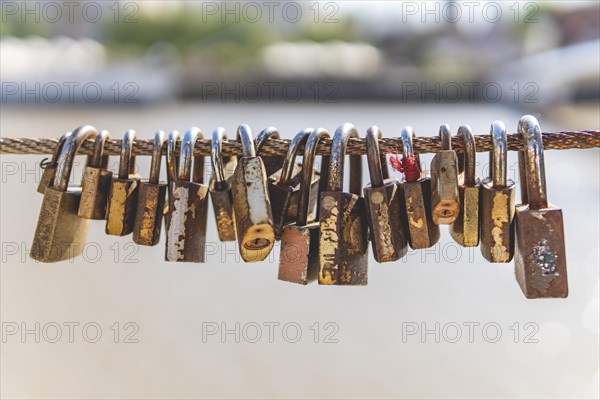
[343, 236]
[272, 163]
[188, 205]
[383, 198]
[151, 200]
[96, 182]
[251, 204]
[498, 203]
[220, 189]
[299, 256]
[60, 234]
[49, 171]
[124, 190]
[465, 229]
[540, 261]
[422, 231]
[445, 203]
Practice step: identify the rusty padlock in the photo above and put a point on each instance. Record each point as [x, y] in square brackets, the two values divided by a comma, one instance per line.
[272, 163]
[188, 205]
[96, 182]
[220, 189]
[422, 231]
[343, 236]
[540, 261]
[151, 200]
[123, 194]
[498, 203]
[445, 203]
[299, 256]
[383, 199]
[60, 234]
[251, 204]
[49, 171]
[465, 229]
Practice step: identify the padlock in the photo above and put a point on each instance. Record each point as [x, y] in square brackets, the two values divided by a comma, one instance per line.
[272, 163]
[465, 229]
[422, 231]
[498, 203]
[284, 186]
[383, 199]
[151, 200]
[220, 189]
[299, 256]
[96, 182]
[251, 204]
[60, 234]
[188, 205]
[124, 189]
[343, 236]
[47, 177]
[444, 181]
[540, 261]
[172, 168]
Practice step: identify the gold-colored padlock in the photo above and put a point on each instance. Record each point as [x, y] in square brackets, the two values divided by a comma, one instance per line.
[60, 234]
[220, 189]
[151, 200]
[540, 261]
[188, 205]
[343, 236]
[272, 163]
[383, 198]
[96, 182]
[299, 256]
[498, 203]
[422, 231]
[47, 177]
[251, 204]
[124, 190]
[445, 203]
[465, 229]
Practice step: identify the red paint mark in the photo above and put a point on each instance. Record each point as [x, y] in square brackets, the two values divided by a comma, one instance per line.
[406, 165]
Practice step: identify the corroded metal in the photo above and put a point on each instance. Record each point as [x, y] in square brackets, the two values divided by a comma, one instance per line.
[220, 189]
[96, 182]
[47, 177]
[445, 202]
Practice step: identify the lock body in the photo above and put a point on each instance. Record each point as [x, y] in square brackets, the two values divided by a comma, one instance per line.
[497, 222]
[149, 213]
[444, 187]
[422, 231]
[222, 201]
[297, 263]
[465, 229]
[47, 178]
[95, 188]
[122, 204]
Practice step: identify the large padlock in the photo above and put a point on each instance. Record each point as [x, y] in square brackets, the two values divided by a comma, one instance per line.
[151, 200]
[124, 190]
[47, 177]
[540, 261]
[220, 189]
[60, 233]
[383, 198]
[445, 203]
[465, 229]
[188, 205]
[422, 231]
[251, 204]
[343, 236]
[272, 163]
[96, 182]
[299, 256]
[498, 203]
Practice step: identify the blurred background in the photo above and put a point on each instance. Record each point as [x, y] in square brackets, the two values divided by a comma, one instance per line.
[152, 65]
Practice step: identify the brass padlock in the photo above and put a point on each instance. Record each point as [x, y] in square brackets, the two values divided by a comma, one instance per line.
[540, 261]
[445, 203]
[422, 231]
[188, 205]
[383, 198]
[96, 182]
[272, 163]
[465, 229]
[47, 177]
[151, 200]
[299, 256]
[284, 185]
[343, 236]
[124, 190]
[498, 203]
[220, 189]
[251, 204]
[60, 234]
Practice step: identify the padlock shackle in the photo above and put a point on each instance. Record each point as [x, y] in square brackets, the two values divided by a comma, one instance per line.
[378, 170]
[498, 155]
[467, 159]
[287, 168]
[244, 136]
[336, 162]
[407, 135]
[216, 159]
[67, 155]
[308, 163]
[186, 157]
[61, 141]
[157, 145]
[172, 161]
[531, 164]
[97, 159]
[263, 136]
[125, 158]
[445, 137]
